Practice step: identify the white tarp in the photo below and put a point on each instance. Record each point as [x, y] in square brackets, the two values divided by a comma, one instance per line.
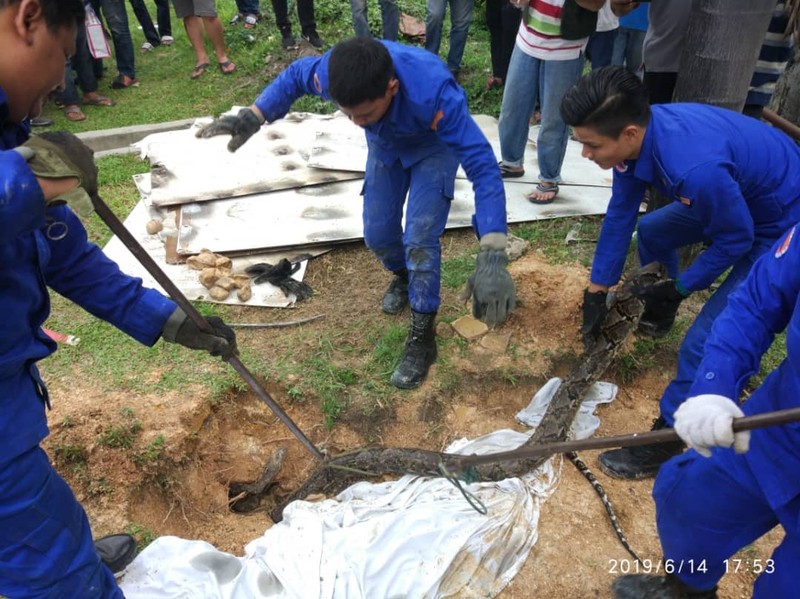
[414, 537]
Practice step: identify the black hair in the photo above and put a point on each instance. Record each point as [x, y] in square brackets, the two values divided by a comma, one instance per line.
[359, 70]
[607, 100]
[57, 13]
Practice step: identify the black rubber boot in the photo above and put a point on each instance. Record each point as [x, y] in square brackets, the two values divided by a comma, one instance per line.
[657, 321]
[648, 586]
[641, 461]
[116, 551]
[419, 353]
[396, 296]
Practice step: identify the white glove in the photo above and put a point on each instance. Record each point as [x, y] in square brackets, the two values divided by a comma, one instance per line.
[706, 421]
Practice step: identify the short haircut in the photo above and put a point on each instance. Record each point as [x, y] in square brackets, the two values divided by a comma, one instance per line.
[57, 13]
[607, 100]
[359, 70]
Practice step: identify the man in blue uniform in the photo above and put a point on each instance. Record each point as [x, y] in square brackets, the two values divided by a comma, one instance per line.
[745, 492]
[418, 128]
[735, 183]
[46, 547]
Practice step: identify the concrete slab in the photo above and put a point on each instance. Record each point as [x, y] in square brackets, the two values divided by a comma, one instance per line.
[118, 141]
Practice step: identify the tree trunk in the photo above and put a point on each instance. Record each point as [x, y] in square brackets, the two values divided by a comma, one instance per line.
[786, 99]
[720, 50]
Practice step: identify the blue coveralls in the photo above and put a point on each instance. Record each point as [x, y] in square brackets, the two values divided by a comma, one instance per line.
[46, 548]
[414, 149]
[735, 183]
[709, 508]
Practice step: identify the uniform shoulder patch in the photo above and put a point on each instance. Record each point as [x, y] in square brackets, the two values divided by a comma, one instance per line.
[621, 167]
[436, 118]
[317, 84]
[684, 201]
[784, 246]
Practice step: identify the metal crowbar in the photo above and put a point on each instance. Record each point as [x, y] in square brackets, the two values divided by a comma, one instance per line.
[117, 228]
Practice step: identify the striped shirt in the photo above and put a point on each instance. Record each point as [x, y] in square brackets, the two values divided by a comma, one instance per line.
[775, 52]
[539, 32]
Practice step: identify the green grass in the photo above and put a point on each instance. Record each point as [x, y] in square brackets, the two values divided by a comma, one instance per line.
[334, 371]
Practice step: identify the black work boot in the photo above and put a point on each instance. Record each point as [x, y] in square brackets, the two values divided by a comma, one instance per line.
[419, 353]
[640, 461]
[396, 296]
[648, 586]
[116, 551]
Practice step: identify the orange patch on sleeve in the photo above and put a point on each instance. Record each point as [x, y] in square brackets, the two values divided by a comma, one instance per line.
[436, 118]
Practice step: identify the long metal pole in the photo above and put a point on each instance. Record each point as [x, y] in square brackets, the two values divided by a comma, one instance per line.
[660, 436]
[130, 242]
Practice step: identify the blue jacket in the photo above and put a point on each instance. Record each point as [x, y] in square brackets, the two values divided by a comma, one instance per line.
[429, 110]
[765, 304]
[42, 248]
[740, 176]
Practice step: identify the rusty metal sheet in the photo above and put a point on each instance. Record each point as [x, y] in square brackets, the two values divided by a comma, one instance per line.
[187, 169]
[185, 278]
[341, 145]
[332, 213]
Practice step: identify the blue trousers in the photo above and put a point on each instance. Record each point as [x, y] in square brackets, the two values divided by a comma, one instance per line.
[660, 234]
[430, 185]
[600, 48]
[46, 546]
[707, 509]
[116, 16]
[530, 80]
[460, 19]
[390, 18]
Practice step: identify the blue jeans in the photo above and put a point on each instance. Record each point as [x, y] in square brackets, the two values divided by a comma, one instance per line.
[659, 236]
[601, 47]
[116, 17]
[162, 17]
[430, 186]
[390, 17]
[628, 50]
[247, 7]
[707, 509]
[83, 66]
[460, 19]
[46, 546]
[530, 80]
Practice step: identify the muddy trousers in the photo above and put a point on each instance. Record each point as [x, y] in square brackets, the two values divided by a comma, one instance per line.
[46, 547]
[660, 234]
[429, 185]
[707, 509]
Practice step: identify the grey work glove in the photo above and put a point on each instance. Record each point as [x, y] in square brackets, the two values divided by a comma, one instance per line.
[240, 127]
[490, 286]
[180, 329]
[60, 155]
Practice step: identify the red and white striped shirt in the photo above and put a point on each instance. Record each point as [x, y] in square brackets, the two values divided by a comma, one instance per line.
[539, 32]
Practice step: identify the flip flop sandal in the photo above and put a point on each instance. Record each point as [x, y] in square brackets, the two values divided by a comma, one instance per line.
[119, 82]
[167, 40]
[507, 172]
[250, 21]
[227, 67]
[146, 47]
[236, 18]
[74, 114]
[552, 188]
[200, 69]
[98, 101]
